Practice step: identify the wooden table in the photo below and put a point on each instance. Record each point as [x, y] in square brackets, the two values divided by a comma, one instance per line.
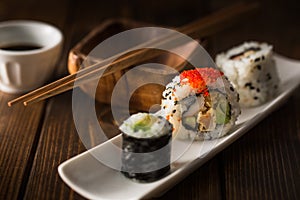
[263, 164]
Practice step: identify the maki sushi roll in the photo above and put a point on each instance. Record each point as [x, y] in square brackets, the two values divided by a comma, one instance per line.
[201, 104]
[146, 147]
[251, 69]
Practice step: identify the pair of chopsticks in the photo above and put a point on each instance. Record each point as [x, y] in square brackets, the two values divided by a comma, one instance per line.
[201, 28]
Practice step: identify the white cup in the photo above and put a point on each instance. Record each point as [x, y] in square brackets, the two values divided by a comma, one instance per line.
[24, 70]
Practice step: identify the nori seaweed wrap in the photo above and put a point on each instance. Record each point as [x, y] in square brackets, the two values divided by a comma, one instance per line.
[146, 147]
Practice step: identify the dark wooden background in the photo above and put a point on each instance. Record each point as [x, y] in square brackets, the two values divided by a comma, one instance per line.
[263, 164]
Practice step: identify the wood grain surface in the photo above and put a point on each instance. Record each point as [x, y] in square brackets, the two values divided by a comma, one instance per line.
[20, 131]
[263, 164]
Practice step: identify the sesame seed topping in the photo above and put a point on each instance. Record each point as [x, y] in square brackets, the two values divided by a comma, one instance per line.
[258, 67]
[248, 84]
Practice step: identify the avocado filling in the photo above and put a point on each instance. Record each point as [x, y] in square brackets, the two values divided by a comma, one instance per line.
[144, 123]
[223, 113]
[190, 122]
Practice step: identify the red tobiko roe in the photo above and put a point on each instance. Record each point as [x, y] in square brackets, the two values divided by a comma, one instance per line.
[199, 78]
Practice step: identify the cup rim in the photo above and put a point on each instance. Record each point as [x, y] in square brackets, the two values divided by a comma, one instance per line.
[26, 23]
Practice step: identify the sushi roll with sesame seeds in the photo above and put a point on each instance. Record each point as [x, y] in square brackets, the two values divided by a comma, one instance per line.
[251, 69]
[146, 147]
[201, 104]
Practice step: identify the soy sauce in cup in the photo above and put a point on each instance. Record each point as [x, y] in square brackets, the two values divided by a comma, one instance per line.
[21, 47]
[29, 51]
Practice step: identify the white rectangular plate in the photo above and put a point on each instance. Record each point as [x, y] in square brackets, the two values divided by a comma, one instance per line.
[93, 180]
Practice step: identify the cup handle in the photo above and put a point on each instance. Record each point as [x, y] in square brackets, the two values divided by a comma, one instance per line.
[10, 73]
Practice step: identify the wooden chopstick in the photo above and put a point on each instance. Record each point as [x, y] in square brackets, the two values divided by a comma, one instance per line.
[81, 73]
[200, 28]
[70, 85]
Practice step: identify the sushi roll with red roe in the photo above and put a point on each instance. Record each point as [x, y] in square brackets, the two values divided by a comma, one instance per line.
[201, 104]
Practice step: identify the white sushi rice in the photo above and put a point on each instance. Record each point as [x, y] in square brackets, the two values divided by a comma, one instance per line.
[252, 73]
[173, 108]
